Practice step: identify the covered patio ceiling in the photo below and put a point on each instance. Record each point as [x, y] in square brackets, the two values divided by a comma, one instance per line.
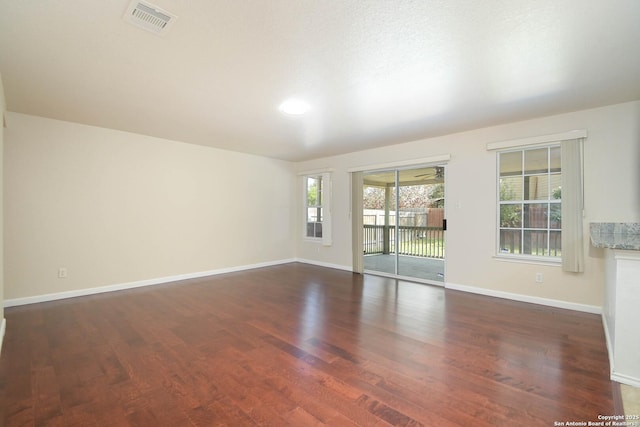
[420, 176]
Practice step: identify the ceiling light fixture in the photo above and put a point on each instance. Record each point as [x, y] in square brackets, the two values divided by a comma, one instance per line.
[294, 107]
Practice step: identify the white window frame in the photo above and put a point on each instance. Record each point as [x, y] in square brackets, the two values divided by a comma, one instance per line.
[522, 143]
[325, 205]
[499, 203]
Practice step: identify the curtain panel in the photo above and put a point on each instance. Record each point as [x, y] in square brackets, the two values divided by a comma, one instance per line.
[572, 206]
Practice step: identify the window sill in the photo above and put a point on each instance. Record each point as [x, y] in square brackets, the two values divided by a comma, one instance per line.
[553, 262]
[312, 239]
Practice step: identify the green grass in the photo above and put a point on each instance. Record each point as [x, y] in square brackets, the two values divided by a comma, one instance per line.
[433, 248]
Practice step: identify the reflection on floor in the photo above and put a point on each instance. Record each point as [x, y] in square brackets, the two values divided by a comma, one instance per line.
[409, 266]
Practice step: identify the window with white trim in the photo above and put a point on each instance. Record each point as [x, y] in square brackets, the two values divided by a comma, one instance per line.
[317, 207]
[529, 202]
[313, 208]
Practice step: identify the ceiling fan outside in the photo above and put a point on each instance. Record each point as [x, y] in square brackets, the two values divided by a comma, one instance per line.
[438, 173]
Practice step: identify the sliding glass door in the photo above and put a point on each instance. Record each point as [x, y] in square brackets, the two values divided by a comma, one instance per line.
[403, 223]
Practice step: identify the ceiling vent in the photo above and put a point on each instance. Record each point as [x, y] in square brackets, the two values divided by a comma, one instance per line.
[149, 17]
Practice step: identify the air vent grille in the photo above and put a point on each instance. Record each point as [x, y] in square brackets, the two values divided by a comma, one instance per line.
[149, 17]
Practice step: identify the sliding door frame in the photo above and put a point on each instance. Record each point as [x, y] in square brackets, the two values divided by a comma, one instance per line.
[358, 244]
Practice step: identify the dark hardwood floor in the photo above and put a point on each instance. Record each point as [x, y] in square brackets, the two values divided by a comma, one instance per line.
[300, 345]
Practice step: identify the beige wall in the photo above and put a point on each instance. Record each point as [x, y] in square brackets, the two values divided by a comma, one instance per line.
[2, 112]
[612, 193]
[114, 207]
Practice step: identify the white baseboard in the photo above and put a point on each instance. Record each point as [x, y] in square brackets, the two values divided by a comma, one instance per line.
[488, 292]
[3, 328]
[130, 285]
[609, 343]
[150, 282]
[614, 375]
[625, 379]
[324, 264]
[526, 298]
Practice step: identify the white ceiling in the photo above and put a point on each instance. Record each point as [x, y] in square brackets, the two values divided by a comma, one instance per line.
[375, 72]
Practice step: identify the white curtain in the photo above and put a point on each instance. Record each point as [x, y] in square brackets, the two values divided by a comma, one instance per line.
[572, 206]
[357, 182]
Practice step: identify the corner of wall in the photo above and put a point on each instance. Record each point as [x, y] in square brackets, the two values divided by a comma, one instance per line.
[3, 327]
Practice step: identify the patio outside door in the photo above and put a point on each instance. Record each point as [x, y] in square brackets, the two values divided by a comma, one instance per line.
[403, 218]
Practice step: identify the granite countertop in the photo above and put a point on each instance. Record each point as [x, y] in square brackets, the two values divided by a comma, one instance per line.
[615, 235]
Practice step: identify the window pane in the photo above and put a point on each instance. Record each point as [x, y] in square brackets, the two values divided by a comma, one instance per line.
[373, 198]
[511, 188]
[511, 163]
[313, 185]
[535, 215]
[510, 216]
[535, 243]
[536, 161]
[314, 229]
[536, 187]
[554, 154]
[555, 243]
[314, 214]
[556, 186]
[510, 241]
[530, 191]
[555, 216]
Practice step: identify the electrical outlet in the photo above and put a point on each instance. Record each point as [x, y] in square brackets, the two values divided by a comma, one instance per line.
[539, 278]
[62, 273]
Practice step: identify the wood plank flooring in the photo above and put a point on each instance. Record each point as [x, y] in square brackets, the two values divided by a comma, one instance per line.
[300, 345]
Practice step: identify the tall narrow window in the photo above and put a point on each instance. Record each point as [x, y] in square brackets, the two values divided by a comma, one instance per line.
[314, 208]
[529, 202]
[317, 207]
